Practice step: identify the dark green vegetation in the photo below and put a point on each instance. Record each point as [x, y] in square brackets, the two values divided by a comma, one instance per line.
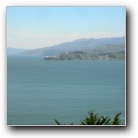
[94, 119]
[104, 52]
[82, 55]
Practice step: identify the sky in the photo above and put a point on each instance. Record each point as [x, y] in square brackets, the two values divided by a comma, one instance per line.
[38, 27]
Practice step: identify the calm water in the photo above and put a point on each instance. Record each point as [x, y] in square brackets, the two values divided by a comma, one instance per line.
[40, 91]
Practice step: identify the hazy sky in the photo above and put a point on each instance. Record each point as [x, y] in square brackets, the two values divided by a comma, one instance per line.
[36, 27]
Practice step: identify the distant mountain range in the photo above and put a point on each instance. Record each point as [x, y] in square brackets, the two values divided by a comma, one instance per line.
[14, 51]
[102, 45]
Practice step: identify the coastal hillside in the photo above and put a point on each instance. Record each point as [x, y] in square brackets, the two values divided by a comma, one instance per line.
[108, 52]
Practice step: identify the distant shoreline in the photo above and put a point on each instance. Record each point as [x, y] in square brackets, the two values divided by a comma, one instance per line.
[81, 55]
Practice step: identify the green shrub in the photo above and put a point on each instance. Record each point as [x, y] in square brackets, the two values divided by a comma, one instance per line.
[94, 119]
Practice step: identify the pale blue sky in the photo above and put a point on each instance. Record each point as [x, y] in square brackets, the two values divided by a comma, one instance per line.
[36, 27]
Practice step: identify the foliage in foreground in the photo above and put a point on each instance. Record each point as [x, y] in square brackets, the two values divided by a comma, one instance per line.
[93, 119]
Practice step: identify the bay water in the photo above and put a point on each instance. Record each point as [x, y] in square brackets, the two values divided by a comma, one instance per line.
[39, 91]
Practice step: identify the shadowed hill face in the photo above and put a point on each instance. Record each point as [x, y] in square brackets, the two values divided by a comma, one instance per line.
[108, 52]
[88, 56]
[77, 45]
